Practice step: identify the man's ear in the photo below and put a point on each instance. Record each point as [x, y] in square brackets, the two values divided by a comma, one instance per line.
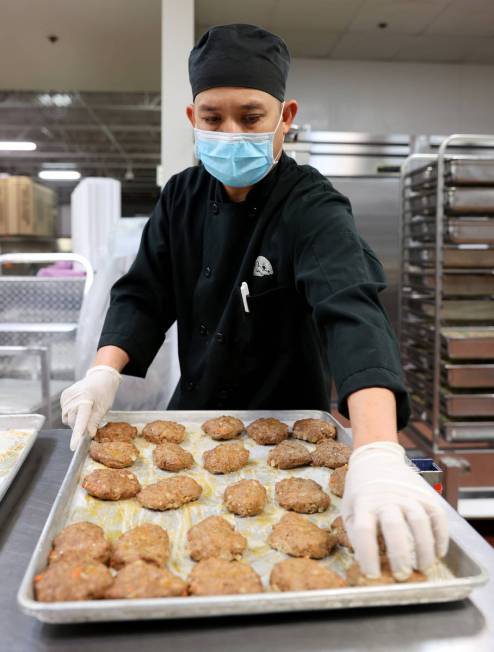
[190, 114]
[289, 112]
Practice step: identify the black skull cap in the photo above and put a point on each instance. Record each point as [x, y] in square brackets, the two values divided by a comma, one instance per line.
[243, 56]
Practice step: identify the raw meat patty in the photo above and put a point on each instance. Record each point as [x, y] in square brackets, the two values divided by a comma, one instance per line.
[111, 484]
[220, 577]
[267, 431]
[301, 495]
[355, 576]
[70, 580]
[303, 575]
[159, 431]
[337, 480]
[81, 542]
[223, 427]
[169, 493]
[288, 455]
[148, 542]
[225, 458]
[295, 535]
[142, 580]
[339, 531]
[116, 431]
[114, 454]
[172, 457]
[313, 430]
[245, 498]
[331, 454]
[215, 537]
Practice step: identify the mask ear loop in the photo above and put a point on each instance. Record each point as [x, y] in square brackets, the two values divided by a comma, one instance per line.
[275, 160]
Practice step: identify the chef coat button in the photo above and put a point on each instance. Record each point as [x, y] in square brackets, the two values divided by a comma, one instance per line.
[220, 338]
[203, 329]
[215, 208]
[190, 386]
[253, 211]
[207, 271]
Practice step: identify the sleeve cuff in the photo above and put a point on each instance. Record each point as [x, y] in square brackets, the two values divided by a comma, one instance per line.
[376, 377]
[140, 359]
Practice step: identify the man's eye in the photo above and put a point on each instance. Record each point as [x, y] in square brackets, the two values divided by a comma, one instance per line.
[211, 121]
[251, 119]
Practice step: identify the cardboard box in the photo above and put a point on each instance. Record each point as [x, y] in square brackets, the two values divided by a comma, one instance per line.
[26, 208]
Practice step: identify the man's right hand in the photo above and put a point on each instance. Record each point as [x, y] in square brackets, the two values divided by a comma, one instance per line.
[86, 402]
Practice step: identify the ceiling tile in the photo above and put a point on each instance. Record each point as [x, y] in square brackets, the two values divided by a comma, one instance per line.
[333, 15]
[312, 43]
[465, 18]
[222, 12]
[402, 16]
[367, 46]
[435, 48]
[481, 52]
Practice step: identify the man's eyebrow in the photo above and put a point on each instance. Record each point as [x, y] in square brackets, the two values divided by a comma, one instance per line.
[208, 107]
[245, 107]
[252, 105]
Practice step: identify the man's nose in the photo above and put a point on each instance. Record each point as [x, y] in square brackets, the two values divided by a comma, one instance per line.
[231, 126]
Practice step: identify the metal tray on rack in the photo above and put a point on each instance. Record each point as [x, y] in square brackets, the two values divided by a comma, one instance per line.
[454, 284]
[18, 432]
[458, 310]
[457, 230]
[469, 343]
[457, 201]
[457, 171]
[456, 256]
[463, 376]
[451, 579]
[468, 405]
[468, 430]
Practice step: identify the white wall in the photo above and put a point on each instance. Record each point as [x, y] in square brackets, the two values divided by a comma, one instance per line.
[380, 97]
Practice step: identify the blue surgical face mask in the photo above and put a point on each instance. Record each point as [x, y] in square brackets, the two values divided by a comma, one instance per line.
[236, 159]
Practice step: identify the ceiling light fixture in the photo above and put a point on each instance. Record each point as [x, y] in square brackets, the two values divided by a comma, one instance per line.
[59, 175]
[17, 146]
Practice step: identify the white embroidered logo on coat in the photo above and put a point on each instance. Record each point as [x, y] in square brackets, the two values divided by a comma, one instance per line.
[262, 267]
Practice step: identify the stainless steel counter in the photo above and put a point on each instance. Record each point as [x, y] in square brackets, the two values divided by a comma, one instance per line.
[467, 625]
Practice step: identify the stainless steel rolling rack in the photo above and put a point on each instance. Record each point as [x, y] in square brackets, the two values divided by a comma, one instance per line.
[446, 312]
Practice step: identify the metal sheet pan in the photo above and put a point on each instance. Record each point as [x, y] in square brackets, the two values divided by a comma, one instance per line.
[458, 172]
[457, 230]
[468, 405]
[460, 310]
[18, 433]
[468, 431]
[455, 578]
[466, 376]
[457, 201]
[453, 256]
[469, 343]
[454, 284]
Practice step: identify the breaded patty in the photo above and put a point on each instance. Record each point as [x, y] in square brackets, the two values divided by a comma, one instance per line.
[337, 480]
[80, 542]
[114, 454]
[301, 495]
[267, 431]
[148, 542]
[170, 493]
[331, 454]
[313, 430]
[172, 457]
[245, 498]
[111, 484]
[142, 580]
[303, 575]
[116, 431]
[355, 577]
[220, 577]
[215, 537]
[159, 431]
[289, 455]
[339, 531]
[295, 535]
[225, 458]
[71, 580]
[223, 427]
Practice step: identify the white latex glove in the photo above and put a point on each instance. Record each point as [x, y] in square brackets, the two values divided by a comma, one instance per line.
[86, 402]
[382, 489]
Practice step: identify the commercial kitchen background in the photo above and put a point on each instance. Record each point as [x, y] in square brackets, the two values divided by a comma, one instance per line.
[99, 89]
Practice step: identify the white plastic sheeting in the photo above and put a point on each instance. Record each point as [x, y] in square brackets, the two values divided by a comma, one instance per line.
[154, 391]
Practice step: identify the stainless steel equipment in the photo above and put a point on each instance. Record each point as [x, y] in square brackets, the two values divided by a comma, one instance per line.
[452, 580]
[446, 302]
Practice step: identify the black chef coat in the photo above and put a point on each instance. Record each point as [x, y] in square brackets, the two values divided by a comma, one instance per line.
[314, 312]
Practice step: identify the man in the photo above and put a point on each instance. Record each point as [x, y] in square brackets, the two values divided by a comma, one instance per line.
[274, 292]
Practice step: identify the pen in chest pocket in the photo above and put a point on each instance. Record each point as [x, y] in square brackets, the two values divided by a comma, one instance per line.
[244, 291]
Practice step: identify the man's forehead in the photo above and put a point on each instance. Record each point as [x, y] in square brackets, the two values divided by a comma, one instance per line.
[239, 98]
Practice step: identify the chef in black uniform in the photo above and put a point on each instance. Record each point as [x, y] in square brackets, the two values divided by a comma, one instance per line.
[275, 294]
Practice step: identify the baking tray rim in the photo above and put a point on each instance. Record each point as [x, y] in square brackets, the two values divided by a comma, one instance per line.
[33, 422]
[192, 607]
